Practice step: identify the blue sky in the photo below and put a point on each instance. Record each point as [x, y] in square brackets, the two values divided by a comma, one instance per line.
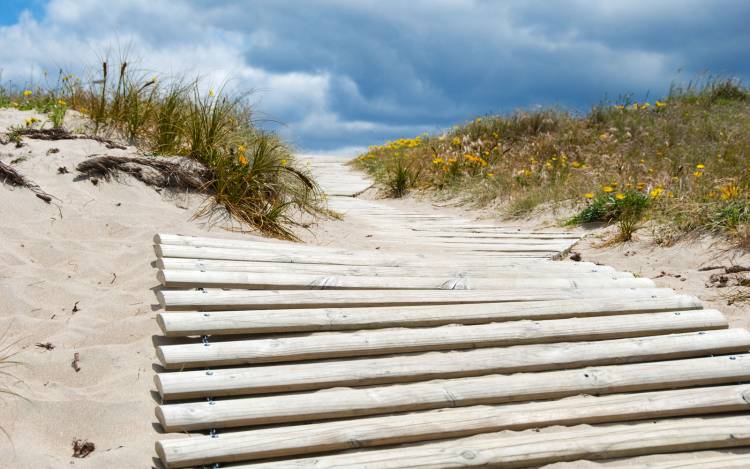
[344, 74]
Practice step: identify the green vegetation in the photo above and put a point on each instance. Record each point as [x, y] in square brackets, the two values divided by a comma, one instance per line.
[254, 177]
[682, 162]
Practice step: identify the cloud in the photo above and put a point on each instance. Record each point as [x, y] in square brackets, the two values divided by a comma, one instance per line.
[349, 74]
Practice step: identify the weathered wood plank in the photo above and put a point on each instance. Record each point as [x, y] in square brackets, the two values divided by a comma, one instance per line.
[177, 324]
[509, 271]
[275, 281]
[532, 449]
[403, 340]
[448, 423]
[266, 254]
[280, 299]
[458, 392]
[449, 364]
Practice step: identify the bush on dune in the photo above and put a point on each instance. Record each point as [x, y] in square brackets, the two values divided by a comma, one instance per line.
[254, 177]
[682, 161]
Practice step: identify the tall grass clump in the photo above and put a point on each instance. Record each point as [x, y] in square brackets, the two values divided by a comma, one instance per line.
[254, 176]
[683, 160]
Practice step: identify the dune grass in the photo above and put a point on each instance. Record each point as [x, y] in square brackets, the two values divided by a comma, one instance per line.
[683, 161]
[254, 176]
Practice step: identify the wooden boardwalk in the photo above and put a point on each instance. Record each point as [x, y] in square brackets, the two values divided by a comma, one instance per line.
[486, 353]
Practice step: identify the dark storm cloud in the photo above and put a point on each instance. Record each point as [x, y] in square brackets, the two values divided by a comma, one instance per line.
[342, 73]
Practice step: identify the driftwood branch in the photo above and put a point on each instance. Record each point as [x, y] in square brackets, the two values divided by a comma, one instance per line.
[11, 176]
[177, 173]
[59, 133]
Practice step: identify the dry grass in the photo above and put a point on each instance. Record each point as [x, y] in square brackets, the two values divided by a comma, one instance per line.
[686, 154]
[251, 175]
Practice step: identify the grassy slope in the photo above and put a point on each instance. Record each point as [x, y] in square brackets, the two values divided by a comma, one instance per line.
[686, 159]
[255, 178]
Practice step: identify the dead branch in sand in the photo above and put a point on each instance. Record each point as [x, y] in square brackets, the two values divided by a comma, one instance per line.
[59, 133]
[11, 176]
[176, 173]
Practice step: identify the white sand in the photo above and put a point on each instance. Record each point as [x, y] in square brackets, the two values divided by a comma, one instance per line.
[92, 247]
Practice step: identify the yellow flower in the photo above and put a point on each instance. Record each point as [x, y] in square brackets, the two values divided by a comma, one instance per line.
[576, 164]
[640, 186]
[660, 104]
[27, 93]
[619, 196]
[283, 162]
[456, 141]
[527, 172]
[589, 195]
[645, 105]
[620, 107]
[243, 160]
[656, 192]
[490, 175]
[211, 93]
[730, 191]
[697, 174]
[437, 161]
[603, 137]
[700, 166]
[608, 189]
[61, 102]
[241, 149]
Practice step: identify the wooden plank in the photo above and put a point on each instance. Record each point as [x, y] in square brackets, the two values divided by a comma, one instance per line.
[170, 263]
[310, 257]
[176, 324]
[531, 448]
[737, 459]
[449, 364]
[458, 392]
[386, 341]
[276, 281]
[447, 423]
[219, 243]
[280, 299]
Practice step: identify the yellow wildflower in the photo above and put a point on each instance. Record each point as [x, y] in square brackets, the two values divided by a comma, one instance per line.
[589, 195]
[645, 105]
[700, 166]
[656, 192]
[456, 141]
[242, 159]
[27, 93]
[490, 175]
[608, 189]
[619, 196]
[697, 174]
[730, 191]
[211, 93]
[61, 102]
[660, 104]
[527, 172]
[576, 164]
[437, 161]
[283, 162]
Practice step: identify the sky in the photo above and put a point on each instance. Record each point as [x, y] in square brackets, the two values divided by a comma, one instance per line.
[335, 76]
